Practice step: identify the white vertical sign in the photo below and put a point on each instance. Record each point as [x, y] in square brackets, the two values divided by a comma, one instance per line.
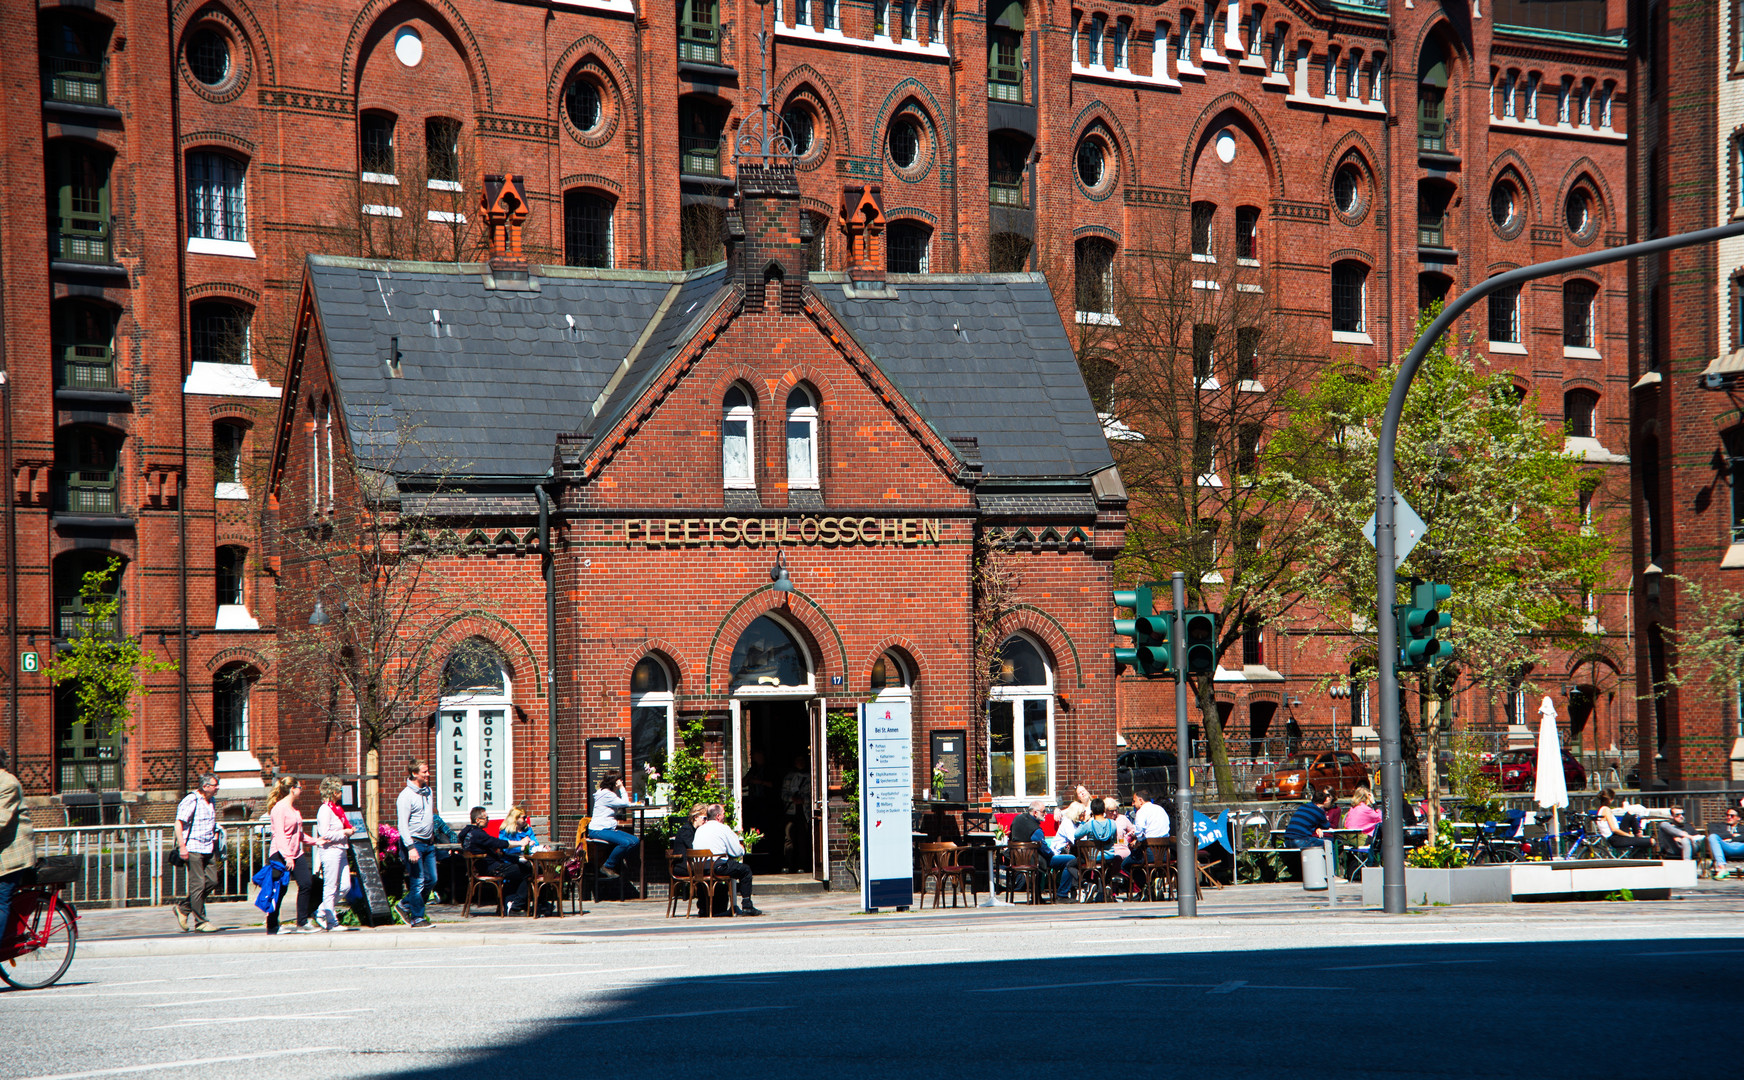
[472, 764]
[886, 805]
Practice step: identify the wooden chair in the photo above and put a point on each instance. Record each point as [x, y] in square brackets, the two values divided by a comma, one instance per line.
[597, 853]
[704, 880]
[1095, 870]
[977, 821]
[678, 874]
[1023, 861]
[474, 878]
[1163, 851]
[938, 865]
[542, 875]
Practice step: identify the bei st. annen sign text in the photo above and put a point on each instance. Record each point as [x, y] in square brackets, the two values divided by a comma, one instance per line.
[755, 532]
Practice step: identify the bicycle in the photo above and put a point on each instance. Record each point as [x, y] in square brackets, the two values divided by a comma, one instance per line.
[1484, 851]
[36, 947]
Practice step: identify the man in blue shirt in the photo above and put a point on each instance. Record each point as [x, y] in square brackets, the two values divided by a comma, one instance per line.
[1308, 825]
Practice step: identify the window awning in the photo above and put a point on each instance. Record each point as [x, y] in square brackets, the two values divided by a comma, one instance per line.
[1012, 17]
[1730, 365]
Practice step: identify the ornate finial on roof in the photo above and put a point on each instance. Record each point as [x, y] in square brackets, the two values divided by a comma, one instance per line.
[763, 140]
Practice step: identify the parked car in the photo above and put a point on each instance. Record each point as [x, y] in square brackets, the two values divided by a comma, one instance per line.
[1144, 770]
[1517, 770]
[1339, 770]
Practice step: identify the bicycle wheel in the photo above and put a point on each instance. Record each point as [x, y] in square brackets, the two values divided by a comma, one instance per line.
[42, 967]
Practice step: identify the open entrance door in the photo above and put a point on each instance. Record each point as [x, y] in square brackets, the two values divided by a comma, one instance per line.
[820, 790]
[775, 782]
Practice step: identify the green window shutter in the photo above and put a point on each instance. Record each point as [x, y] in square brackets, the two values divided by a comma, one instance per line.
[85, 347]
[81, 207]
[699, 31]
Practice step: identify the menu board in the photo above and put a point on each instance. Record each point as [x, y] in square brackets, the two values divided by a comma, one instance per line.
[603, 756]
[886, 805]
[948, 781]
[375, 897]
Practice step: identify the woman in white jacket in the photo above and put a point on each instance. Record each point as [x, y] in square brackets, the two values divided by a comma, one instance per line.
[332, 837]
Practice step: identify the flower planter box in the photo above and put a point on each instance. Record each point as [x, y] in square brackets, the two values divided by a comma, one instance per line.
[1425, 885]
[1646, 879]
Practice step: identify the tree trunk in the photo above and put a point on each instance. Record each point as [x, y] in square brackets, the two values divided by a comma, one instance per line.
[1204, 692]
[1432, 707]
[372, 792]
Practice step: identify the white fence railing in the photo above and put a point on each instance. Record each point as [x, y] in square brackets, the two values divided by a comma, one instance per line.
[129, 865]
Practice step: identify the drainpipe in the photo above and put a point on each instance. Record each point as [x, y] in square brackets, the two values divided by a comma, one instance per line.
[948, 10]
[550, 561]
[182, 411]
[11, 529]
[641, 139]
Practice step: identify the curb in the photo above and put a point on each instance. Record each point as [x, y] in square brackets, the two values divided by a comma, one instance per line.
[244, 941]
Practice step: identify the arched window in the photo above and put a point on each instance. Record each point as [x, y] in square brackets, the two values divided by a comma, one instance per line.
[1580, 409]
[473, 735]
[802, 439]
[231, 579]
[1432, 98]
[907, 247]
[1349, 297]
[228, 439]
[892, 677]
[232, 688]
[217, 203]
[651, 704]
[768, 657]
[218, 333]
[1020, 724]
[1577, 314]
[587, 229]
[738, 439]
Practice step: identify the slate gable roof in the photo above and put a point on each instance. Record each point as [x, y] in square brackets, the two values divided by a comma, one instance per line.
[489, 377]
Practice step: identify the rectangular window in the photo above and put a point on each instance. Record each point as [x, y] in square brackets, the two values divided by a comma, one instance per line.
[1247, 229]
[230, 692]
[699, 31]
[1253, 642]
[85, 344]
[227, 454]
[587, 230]
[442, 149]
[1353, 85]
[1509, 83]
[1505, 316]
[231, 571]
[1331, 71]
[1349, 283]
[699, 139]
[829, 14]
[81, 207]
[1205, 450]
[218, 334]
[1005, 65]
[72, 69]
[1247, 463]
[1247, 354]
[1204, 353]
[217, 209]
[1577, 314]
[1734, 441]
[376, 138]
[1184, 46]
[1278, 51]
[1431, 119]
[1203, 213]
[1532, 97]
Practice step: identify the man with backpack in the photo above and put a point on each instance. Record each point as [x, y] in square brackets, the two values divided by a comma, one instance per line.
[198, 845]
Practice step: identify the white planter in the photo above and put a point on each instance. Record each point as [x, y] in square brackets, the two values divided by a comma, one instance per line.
[1425, 886]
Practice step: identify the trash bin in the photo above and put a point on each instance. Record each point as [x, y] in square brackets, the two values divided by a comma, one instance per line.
[1316, 867]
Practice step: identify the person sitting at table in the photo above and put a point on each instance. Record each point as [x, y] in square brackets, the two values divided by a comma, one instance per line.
[715, 836]
[517, 831]
[607, 801]
[1309, 823]
[499, 861]
[1025, 825]
[1675, 839]
[1057, 853]
[1726, 840]
[1623, 840]
[1362, 813]
[1100, 831]
[1123, 832]
[1149, 822]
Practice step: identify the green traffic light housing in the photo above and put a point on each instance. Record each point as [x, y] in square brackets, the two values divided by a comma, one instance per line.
[1201, 634]
[1149, 653]
[1419, 623]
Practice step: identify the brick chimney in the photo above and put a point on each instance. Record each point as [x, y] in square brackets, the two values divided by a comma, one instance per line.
[861, 219]
[764, 232]
[504, 203]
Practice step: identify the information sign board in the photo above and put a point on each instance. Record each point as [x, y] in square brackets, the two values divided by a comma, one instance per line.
[886, 805]
[603, 756]
[949, 760]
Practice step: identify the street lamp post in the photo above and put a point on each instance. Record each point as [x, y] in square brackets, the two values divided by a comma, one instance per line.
[1392, 768]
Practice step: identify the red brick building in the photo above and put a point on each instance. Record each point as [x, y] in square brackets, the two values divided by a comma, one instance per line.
[1686, 351]
[190, 162]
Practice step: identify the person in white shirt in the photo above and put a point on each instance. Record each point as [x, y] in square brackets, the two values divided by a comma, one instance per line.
[714, 836]
[333, 831]
[197, 844]
[1150, 822]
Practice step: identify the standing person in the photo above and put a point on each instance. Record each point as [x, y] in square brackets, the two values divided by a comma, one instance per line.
[333, 831]
[196, 841]
[292, 849]
[1309, 823]
[607, 801]
[417, 812]
[18, 842]
[1725, 840]
[796, 799]
[715, 836]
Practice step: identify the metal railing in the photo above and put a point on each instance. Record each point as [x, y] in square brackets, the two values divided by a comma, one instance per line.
[129, 865]
[699, 155]
[82, 245]
[1001, 194]
[77, 80]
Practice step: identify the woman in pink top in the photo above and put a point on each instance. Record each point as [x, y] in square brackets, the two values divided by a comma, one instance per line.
[289, 848]
[1362, 813]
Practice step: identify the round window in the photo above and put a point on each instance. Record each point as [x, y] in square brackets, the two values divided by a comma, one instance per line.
[905, 143]
[1092, 163]
[408, 46]
[798, 122]
[1579, 212]
[1504, 205]
[1347, 190]
[209, 56]
[581, 102]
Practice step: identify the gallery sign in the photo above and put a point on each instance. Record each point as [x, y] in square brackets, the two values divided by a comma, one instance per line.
[781, 531]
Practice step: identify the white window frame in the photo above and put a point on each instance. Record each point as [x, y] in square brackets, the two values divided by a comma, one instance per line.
[904, 688]
[654, 699]
[746, 414]
[1532, 97]
[807, 416]
[215, 193]
[468, 709]
[1017, 695]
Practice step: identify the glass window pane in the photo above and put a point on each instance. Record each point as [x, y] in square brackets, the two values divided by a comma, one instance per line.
[799, 455]
[767, 655]
[1021, 664]
[647, 745]
[736, 450]
[999, 750]
[1035, 746]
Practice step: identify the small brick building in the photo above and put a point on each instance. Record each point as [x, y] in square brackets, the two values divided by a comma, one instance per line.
[858, 435]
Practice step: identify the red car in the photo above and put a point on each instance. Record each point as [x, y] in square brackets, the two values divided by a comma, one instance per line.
[1337, 770]
[1517, 770]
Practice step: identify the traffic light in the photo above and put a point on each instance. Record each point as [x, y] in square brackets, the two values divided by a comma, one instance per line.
[1419, 622]
[1149, 654]
[1201, 642]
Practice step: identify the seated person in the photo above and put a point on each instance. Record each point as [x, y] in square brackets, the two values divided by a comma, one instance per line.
[1024, 825]
[1623, 840]
[607, 802]
[1727, 841]
[1058, 849]
[684, 840]
[1675, 840]
[1102, 832]
[1149, 822]
[517, 831]
[1362, 813]
[498, 862]
[1123, 831]
[1309, 823]
[715, 836]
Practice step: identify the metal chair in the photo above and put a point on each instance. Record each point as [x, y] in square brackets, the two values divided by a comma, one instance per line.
[474, 878]
[678, 876]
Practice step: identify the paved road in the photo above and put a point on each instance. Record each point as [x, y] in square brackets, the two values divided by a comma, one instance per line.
[1528, 992]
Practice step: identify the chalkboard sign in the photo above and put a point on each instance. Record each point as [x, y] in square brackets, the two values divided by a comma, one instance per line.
[603, 756]
[950, 757]
[374, 909]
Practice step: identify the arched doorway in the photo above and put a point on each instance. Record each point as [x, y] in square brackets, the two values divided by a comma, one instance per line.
[777, 720]
[473, 735]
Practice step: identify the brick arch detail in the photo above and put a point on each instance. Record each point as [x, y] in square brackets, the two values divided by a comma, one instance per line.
[1350, 144]
[913, 90]
[1051, 633]
[894, 641]
[1358, 254]
[1096, 111]
[195, 139]
[202, 290]
[1102, 231]
[682, 668]
[509, 641]
[762, 601]
[580, 51]
[238, 654]
[804, 373]
[258, 41]
[913, 213]
[805, 77]
[750, 376]
[1584, 382]
[1584, 168]
[1510, 159]
[444, 16]
[1233, 104]
[594, 181]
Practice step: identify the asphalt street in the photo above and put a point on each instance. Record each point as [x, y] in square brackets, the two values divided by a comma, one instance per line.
[1620, 990]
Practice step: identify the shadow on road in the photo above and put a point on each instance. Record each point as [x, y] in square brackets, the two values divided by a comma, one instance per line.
[1579, 1009]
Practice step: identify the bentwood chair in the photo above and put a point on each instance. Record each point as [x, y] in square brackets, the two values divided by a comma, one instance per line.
[1096, 871]
[938, 864]
[705, 881]
[678, 875]
[1026, 869]
[475, 877]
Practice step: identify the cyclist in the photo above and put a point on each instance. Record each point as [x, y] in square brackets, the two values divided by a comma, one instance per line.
[17, 842]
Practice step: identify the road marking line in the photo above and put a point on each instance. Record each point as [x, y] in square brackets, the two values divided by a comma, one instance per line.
[192, 1062]
[1691, 952]
[1123, 941]
[247, 997]
[1059, 986]
[1405, 964]
[208, 1021]
[591, 971]
[872, 956]
[1229, 987]
[659, 1016]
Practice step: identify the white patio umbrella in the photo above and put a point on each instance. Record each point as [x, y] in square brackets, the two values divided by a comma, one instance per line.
[1550, 786]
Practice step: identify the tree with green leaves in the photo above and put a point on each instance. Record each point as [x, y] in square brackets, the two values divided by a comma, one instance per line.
[1501, 502]
[104, 665]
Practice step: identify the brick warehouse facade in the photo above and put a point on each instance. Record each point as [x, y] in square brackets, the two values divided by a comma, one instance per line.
[1687, 348]
[191, 163]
